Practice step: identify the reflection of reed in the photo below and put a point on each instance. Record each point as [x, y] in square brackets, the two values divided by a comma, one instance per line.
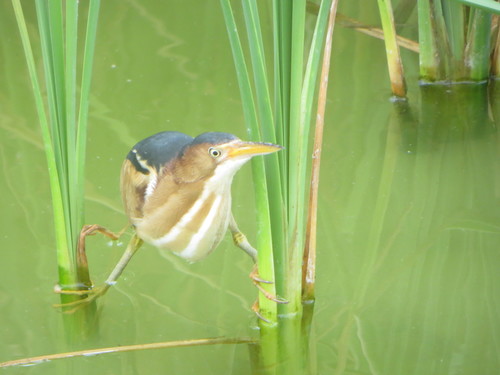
[429, 260]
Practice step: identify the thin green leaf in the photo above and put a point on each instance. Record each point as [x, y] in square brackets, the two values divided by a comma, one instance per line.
[487, 5]
[81, 136]
[295, 156]
[70, 55]
[63, 258]
[265, 111]
[300, 157]
[267, 308]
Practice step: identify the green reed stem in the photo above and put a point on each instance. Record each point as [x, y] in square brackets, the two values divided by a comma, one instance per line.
[295, 129]
[431, 61]
[477, 52]
[394, 63]
[281, 195]
[289, 121]
[282, 34]
[454, 17]
[83, 108]
[268, 131]
[495, 56]
[64, 139]
[299, 137]
[66, 277]
[267, 308]
[70, 60]
[455, 42]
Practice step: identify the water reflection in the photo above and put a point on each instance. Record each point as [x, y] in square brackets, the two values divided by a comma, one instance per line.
[408, 224]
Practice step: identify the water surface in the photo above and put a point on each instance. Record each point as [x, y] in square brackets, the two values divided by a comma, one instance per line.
[408, 222]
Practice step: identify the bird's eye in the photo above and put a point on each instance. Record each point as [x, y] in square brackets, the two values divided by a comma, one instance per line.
[214, 152]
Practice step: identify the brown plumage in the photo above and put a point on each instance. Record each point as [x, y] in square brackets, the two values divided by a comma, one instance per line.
[177, 194]
[177, 189]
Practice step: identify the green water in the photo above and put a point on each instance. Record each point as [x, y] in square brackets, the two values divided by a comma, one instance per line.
[409, 221]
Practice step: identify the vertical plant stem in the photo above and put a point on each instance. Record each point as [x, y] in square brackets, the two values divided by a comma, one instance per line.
[267, 127]
[66, 276]
[441, 36]
[477, 52]
[394, 63]
[54, 42]
[309, 259]
[255, 42]
[284, 42]
[495, 56]
[282, 11]
[294, 95]
[454, 16]
[83, 109]
[429, 54]
[267, 308]
[298, 155]
[294, 247]
[49, 26]
[58, 29]
[70, 58]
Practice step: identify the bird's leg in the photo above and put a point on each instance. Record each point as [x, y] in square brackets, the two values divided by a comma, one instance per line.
[132, 247]
[241, 241]
[81, 254]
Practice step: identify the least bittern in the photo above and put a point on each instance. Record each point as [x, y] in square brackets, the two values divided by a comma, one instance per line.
[176, 190]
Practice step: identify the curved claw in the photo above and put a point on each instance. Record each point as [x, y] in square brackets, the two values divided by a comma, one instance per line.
[257, 280]
[255, 309]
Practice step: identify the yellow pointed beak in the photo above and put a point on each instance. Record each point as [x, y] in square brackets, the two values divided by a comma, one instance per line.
[251, 148]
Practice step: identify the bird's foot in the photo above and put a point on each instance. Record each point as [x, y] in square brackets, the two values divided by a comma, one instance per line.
[93, 229]
[257, 281]
[256, 310]
[87, 296]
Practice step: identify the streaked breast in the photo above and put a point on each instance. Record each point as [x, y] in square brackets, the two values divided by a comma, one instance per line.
[186, 222]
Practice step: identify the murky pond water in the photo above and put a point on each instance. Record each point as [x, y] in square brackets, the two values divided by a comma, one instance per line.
[409, 229]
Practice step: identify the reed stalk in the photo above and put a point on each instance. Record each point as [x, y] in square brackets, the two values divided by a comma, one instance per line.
[477, 49]
[455, 40]
[268, 309]
[281, 181]
[309, 258]
[64, 127]
[495, 56]
[395, 66]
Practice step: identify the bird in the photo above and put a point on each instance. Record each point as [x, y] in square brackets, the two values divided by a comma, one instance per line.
[176, 191]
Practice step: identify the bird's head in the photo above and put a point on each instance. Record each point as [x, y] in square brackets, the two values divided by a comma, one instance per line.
[216, 152]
